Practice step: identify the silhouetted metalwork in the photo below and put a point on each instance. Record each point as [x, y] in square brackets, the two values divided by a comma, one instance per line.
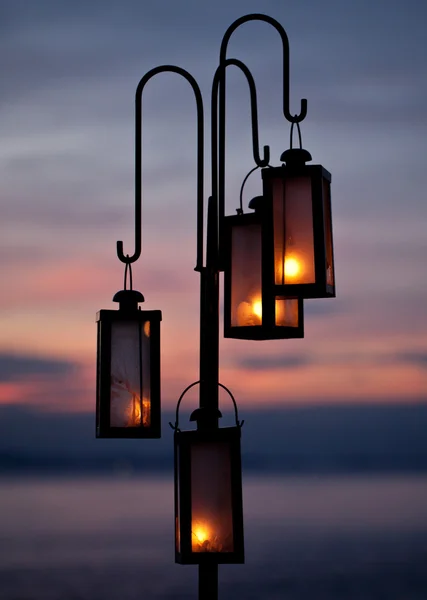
[222, 105]
[138, 166]
[276, 314]
[175, 426]
[218, 81]
[240, 210]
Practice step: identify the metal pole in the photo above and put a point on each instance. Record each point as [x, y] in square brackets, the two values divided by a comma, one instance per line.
[208, 582]
[209, 364]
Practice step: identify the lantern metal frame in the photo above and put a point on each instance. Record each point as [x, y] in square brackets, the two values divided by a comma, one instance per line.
[105, 320]
[183, 443]
[321, 221]
[267, 329]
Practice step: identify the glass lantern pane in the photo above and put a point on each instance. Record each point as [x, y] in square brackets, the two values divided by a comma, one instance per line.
[246, 307]
[328, 232]
[286, 312]
[211, 498]
[293, 231]
[130, 374]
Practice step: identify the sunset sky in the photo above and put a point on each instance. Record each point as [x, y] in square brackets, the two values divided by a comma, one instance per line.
[69, 72]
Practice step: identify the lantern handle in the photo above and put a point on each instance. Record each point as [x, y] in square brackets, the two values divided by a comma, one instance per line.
[285, 45]
[240, 210]
[236, 414]
[138, 163]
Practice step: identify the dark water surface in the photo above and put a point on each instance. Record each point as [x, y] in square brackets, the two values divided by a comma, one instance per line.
[306, 538]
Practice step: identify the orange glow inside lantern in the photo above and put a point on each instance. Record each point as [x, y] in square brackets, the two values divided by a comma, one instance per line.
[211, 498]
[208, 496]
[293, 231]
[130, 404]
[251, 312]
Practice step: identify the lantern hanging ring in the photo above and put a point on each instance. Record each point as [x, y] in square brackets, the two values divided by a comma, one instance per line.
[236, 414]
[128, 271]
[299, 135]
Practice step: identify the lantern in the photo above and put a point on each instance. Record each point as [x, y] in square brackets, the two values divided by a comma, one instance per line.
[297, 235]
[128, 370]
[252, 309]
[208, 496]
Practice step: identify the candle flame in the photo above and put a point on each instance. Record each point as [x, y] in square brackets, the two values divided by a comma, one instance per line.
[201, 533]
[204, 539]
[292, 267]
[134, 412]
[249, 312]
[257, 308]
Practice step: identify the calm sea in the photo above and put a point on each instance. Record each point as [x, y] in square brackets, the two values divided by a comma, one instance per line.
[307, 538]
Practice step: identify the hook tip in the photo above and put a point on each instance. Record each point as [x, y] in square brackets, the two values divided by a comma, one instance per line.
[266, 158]
[120, 254]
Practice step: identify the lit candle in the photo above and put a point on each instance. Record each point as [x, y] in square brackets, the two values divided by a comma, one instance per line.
[126, 404]
[203, 539]
[133, 412]
[249, 313]
[289, 269]
[293, 268]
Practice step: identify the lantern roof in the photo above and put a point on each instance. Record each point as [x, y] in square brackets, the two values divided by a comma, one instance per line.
[128, 299]
[295, 156]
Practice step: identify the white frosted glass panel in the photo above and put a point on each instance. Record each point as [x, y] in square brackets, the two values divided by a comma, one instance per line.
[279, 230]
[293, 231]
[286, 312]
[211, 501]
[130, 375]
[246, 307]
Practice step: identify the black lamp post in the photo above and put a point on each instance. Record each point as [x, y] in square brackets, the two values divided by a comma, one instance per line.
[272, 258]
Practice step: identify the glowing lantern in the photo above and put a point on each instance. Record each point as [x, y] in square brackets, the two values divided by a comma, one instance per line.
[252, 310]
[297, 233]
[208, 496]
[128, 370]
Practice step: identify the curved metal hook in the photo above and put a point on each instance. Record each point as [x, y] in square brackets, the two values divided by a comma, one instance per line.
[285, 44]
[218, 79]
[138, 166]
